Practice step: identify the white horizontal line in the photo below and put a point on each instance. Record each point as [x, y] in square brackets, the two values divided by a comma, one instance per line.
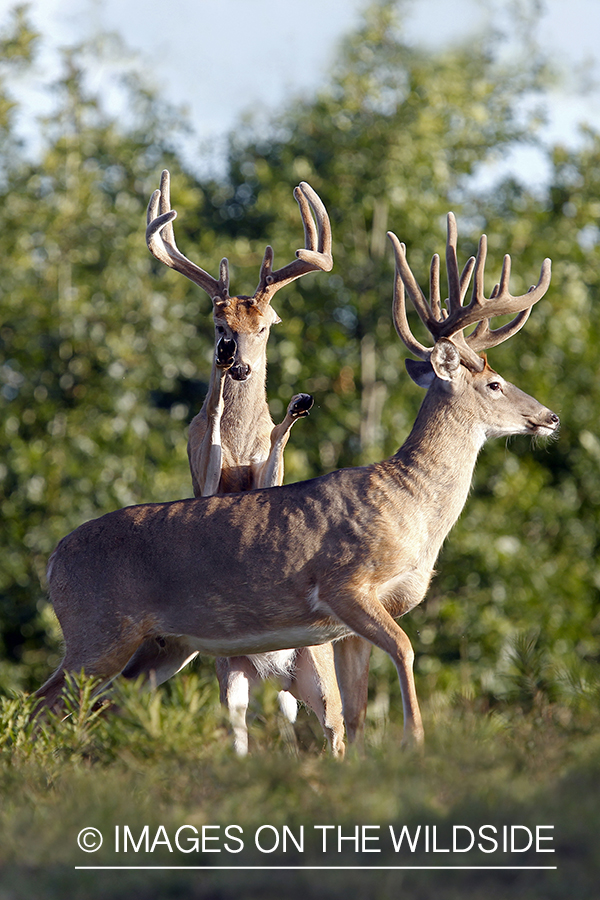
[326, 868]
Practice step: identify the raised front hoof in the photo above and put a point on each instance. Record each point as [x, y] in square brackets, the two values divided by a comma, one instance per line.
[299, 406]
[225, 355]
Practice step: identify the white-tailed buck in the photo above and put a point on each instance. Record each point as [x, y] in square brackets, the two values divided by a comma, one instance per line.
[235, 446]
[315, 561]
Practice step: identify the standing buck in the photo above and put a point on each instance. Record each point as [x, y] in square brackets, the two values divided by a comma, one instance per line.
[315, 561]
[235, 446]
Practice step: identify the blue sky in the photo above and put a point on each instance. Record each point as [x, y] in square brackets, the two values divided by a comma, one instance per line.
[221, 58]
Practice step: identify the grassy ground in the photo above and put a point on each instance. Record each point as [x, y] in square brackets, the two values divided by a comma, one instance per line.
[164, 761]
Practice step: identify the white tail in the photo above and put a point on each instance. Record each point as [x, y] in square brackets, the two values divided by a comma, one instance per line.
[234, 446]
[311, 562]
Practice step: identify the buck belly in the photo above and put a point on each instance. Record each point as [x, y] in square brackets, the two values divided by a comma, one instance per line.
[276, 639]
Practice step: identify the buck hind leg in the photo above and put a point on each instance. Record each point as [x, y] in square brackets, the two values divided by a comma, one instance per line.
[98, 643]
[288, 706]
[238, 699]
[314, 683]
[50, 692]
[104, 665]
[352, 656]
[235, 675]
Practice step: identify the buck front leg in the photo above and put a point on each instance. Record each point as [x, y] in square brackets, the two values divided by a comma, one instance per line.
[271, 473]
[206, 470]
[367, 617]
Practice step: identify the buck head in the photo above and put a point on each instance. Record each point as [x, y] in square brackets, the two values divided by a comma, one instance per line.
[453, 369]
[245, 325]
[495, 407]
[244, 320]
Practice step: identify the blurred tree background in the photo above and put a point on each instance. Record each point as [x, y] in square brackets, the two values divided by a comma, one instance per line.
[105, 355]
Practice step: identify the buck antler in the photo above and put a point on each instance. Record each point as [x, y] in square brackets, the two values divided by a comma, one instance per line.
[451, 322]
[315, 256]
[160, 238]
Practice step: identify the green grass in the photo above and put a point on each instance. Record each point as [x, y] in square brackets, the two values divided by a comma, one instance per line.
[164, 759]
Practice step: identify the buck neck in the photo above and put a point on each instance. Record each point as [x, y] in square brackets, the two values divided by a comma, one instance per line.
[462, 408]
[244, 400]
[245, 421]
[435, 464]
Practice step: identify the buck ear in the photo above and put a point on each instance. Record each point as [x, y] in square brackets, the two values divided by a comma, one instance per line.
[421, 372]
[445, 359]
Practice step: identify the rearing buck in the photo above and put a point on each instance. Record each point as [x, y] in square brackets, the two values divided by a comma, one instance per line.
[315, 561]
[234, 446]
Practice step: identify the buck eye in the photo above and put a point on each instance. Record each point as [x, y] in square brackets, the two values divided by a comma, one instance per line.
[495, 387]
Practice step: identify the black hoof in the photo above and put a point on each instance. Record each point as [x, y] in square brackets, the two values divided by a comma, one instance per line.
[300, 405]
[225, 355]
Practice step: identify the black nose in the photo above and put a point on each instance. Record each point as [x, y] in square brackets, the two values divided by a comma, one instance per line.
[553, 419]
[240, 372]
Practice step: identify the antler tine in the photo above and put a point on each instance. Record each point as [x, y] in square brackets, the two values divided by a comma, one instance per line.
[404, 279]
[315, 256]
[483, 337]
[465, 277]
[454, 282]
[505, 301]
[435, 300]
[306, 198]
[160, 238]
[412, 286]
[401, 321]
[501, 302]
[311, 232]
[434, 286]
[478, 286]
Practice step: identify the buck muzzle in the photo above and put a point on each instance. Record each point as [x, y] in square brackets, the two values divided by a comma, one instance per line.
[240, 372]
